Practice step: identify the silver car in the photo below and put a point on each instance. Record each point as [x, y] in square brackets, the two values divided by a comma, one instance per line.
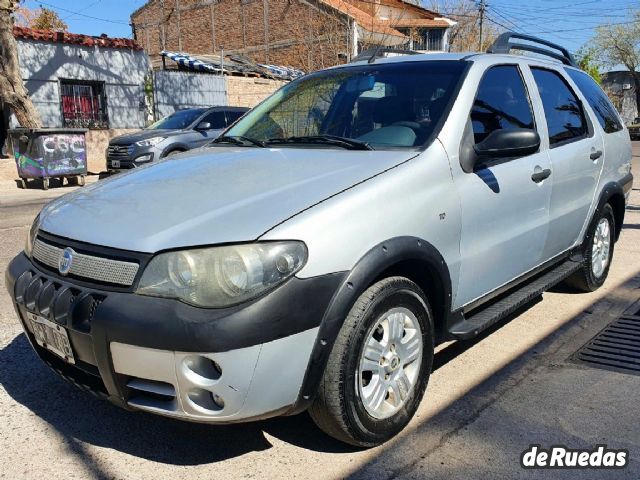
[318, 251]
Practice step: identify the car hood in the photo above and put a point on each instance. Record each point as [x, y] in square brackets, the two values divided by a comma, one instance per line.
[218, 195]
[130, 138]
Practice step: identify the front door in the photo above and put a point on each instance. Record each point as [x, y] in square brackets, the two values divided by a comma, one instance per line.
[217, 123]
[504, 205]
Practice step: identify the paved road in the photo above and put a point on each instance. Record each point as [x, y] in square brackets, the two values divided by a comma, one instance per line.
[486, 402]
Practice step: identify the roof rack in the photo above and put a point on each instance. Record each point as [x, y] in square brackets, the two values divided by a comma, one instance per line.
[503, 44]
[379, 52]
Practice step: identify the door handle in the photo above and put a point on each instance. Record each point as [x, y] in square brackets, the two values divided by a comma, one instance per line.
[541, 175]
[595, 155]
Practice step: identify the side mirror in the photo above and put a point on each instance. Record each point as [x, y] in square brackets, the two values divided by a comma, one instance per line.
[203, 126]
[513, 142]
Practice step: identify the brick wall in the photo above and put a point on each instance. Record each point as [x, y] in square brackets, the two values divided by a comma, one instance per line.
[268, 31]
[248, 91]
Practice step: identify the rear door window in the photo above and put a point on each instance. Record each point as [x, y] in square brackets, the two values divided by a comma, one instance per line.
[598, 100]
[233, 115]
[565, 119]
[501, 102]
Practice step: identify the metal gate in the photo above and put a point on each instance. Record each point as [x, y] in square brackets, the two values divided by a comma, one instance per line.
[177, 90]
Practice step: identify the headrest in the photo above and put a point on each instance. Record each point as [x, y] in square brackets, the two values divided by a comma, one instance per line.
[390, 110]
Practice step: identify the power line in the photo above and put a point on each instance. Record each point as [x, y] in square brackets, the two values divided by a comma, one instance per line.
[590, 28]
[84, 15]
[82, 10]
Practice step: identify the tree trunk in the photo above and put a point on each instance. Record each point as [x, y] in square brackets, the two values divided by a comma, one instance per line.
[12, 90]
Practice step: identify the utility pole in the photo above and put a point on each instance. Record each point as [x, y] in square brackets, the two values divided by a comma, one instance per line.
[482, 6]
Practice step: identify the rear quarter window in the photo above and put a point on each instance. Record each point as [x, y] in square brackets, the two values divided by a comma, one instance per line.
[598, 100]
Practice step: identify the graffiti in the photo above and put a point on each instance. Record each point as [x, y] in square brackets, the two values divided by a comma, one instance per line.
[63, 144]
[51, 155]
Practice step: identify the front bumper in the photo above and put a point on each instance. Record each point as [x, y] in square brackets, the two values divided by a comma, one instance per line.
[130, 156]
[166, 357]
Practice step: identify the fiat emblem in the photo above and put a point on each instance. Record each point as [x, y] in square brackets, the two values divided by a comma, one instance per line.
[66, 259]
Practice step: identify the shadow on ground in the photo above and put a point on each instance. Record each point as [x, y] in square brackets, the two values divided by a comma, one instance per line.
[36, 183]
[76, 415]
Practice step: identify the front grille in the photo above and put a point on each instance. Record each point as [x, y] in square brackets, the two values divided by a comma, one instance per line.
[118, 152]
[100, 269]
[65, 305]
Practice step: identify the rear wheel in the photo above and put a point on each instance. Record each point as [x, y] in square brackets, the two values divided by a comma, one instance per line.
[597, 252]
[379, 366]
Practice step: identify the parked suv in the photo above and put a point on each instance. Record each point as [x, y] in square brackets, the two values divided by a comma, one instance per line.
[179, 132]
[315, 255]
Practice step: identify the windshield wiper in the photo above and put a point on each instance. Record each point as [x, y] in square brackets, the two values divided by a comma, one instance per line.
[348, 143]
[239, 140]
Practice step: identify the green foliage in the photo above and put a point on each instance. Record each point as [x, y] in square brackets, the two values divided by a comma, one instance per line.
[587, 61]
[46, 19]
[619, 44]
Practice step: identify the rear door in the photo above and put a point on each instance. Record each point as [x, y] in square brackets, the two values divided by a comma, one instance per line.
[576, 153]
[504, 211]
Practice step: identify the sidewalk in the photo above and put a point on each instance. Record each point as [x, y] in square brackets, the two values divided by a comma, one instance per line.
[11, 194]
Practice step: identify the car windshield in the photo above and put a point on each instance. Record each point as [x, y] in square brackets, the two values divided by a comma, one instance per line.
[383, 106]
[178, 120]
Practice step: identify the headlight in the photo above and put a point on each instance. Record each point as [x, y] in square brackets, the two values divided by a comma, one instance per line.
[222, 276]
[150, 142]
[31, 236]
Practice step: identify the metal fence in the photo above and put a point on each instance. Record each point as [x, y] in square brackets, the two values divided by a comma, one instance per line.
[175, 90]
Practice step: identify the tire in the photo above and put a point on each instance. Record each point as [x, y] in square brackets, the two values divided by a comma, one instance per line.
[340, 408]
[81, 180]
[173, 152]
[589, 278]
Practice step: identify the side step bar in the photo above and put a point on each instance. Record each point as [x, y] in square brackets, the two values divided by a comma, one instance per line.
[483, 317]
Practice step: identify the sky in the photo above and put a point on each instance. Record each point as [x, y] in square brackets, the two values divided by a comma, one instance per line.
[570, 23]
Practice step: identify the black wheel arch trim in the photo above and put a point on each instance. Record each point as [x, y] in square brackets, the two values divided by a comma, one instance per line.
[180, 147]
[614, 189]
[367, 270]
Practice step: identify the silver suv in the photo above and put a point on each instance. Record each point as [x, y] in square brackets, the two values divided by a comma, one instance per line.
[314, 256]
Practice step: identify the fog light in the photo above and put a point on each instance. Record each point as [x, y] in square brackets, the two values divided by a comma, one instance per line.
[144, 158]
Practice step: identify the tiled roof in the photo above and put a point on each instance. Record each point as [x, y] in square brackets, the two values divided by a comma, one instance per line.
[74, 39]
[387, 27]
[363, 19]
[419, 22]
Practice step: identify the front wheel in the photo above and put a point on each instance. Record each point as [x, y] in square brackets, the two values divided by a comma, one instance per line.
[379, 366]
[597, 252]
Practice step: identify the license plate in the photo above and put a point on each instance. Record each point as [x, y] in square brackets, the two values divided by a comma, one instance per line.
[115, 163]
[51, 336]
